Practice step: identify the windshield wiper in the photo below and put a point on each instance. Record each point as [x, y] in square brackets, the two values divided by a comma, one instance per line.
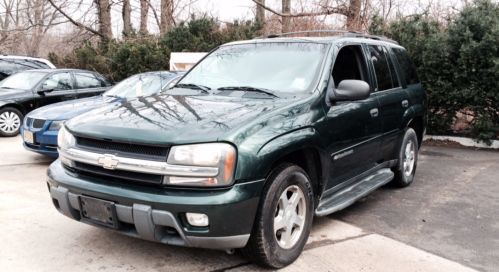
[112, 95]
[193, 86]
[247, 89]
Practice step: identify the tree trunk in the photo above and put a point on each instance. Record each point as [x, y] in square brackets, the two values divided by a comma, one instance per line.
[144, 9]
[353, 16]
[104, 16]
[166, 16]
[126, 13]
[286, 20]
[260, 13]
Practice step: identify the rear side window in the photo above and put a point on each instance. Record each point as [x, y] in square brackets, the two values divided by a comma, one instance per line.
[88, 80]
[406, 66]
[382, 65]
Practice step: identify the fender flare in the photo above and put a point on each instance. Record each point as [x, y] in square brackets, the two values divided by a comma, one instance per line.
[12, 104]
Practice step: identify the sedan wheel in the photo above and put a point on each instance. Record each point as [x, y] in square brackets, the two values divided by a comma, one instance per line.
[10, 122]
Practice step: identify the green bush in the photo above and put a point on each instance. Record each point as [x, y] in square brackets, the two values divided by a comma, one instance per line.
[458, 65]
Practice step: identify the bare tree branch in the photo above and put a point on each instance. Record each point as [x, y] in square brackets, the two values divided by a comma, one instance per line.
[326, 10]
[75, 22]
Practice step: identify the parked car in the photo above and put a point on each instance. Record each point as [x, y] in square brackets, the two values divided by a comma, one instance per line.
[42, 125]
[31, 89]
[12, 64]
[249, 145]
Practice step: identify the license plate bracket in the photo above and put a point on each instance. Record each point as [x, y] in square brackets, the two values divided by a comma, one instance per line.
[29, 137]
[98, 211]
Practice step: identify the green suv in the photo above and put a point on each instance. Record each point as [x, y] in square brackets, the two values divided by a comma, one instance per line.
[252, 143]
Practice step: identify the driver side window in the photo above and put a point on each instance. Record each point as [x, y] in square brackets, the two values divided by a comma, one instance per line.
[58, 82]
[349, 64]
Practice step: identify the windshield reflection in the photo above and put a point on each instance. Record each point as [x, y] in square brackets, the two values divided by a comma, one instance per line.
[275, 66]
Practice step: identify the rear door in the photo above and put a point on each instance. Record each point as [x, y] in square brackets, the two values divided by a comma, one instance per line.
[58, 87]
[89, 84]
[392, 98]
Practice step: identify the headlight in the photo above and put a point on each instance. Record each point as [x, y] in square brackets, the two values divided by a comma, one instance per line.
[65, 139]
[56, 125]
[219, 155]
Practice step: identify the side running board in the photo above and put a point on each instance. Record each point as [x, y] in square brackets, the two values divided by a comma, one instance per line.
[349, 195]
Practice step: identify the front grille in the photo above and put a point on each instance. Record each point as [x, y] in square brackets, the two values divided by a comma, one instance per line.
[115, 175]
[37, 123]
[123, 148]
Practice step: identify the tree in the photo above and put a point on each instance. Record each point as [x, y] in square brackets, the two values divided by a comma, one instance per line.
[260, 13]
[353, 15]
[167, 19]
[24, 24]
[126, 14]
[144, 10]
[104, 18]
[286, 20]
[352, 12]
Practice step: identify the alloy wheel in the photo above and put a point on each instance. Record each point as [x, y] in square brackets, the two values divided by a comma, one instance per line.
[290, 214]
[409, 158]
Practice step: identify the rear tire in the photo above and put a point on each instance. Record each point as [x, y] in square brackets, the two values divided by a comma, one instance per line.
[284, 218]
[11, 120]
[407, 160]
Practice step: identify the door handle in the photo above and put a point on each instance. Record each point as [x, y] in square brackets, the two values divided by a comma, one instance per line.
[374, 112]
[405, 103]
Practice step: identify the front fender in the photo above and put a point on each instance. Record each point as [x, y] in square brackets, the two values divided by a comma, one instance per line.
[9, 103]
[258, 165]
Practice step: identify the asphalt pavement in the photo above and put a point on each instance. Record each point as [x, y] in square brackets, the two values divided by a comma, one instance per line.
[446, 221]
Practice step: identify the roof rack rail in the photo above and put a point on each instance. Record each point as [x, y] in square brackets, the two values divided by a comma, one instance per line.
[345, 33]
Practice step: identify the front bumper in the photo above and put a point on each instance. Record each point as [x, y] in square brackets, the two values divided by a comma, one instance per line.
[158, 214]
[45, 141]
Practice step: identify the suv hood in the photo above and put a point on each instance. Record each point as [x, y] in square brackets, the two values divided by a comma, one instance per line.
[172, 119]
[69, 109]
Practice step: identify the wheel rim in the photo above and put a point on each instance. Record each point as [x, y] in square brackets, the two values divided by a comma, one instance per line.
[290, 214]
[409, 158]
[9, 122]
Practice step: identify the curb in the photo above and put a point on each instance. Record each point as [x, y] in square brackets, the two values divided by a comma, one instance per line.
[468, 142]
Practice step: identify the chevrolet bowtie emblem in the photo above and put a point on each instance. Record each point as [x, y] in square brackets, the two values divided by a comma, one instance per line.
[108, 161]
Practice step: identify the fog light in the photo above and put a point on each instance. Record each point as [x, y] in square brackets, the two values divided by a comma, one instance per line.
[197, 219]
[66, 161]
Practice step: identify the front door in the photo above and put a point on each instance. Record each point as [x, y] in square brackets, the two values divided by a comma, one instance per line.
[55, 88]
[352, 128]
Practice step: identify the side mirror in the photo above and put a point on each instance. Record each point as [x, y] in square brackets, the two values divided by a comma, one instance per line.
[45, 89]
[350, 90]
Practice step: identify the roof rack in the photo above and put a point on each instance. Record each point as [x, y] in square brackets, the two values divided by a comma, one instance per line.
[335, 32]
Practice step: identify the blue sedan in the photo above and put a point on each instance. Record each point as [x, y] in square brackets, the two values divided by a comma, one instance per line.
[42, 125]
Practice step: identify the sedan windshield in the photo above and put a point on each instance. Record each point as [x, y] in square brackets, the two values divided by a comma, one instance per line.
[23, 80]
[278, 66]
[138, 85]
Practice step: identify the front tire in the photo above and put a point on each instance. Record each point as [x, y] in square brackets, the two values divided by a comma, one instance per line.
[11, 121]
[407, 160]
[284, 219]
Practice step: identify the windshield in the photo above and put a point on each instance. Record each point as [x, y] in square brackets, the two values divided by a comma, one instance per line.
[138, 85]
[23, 80]
[283, 67]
